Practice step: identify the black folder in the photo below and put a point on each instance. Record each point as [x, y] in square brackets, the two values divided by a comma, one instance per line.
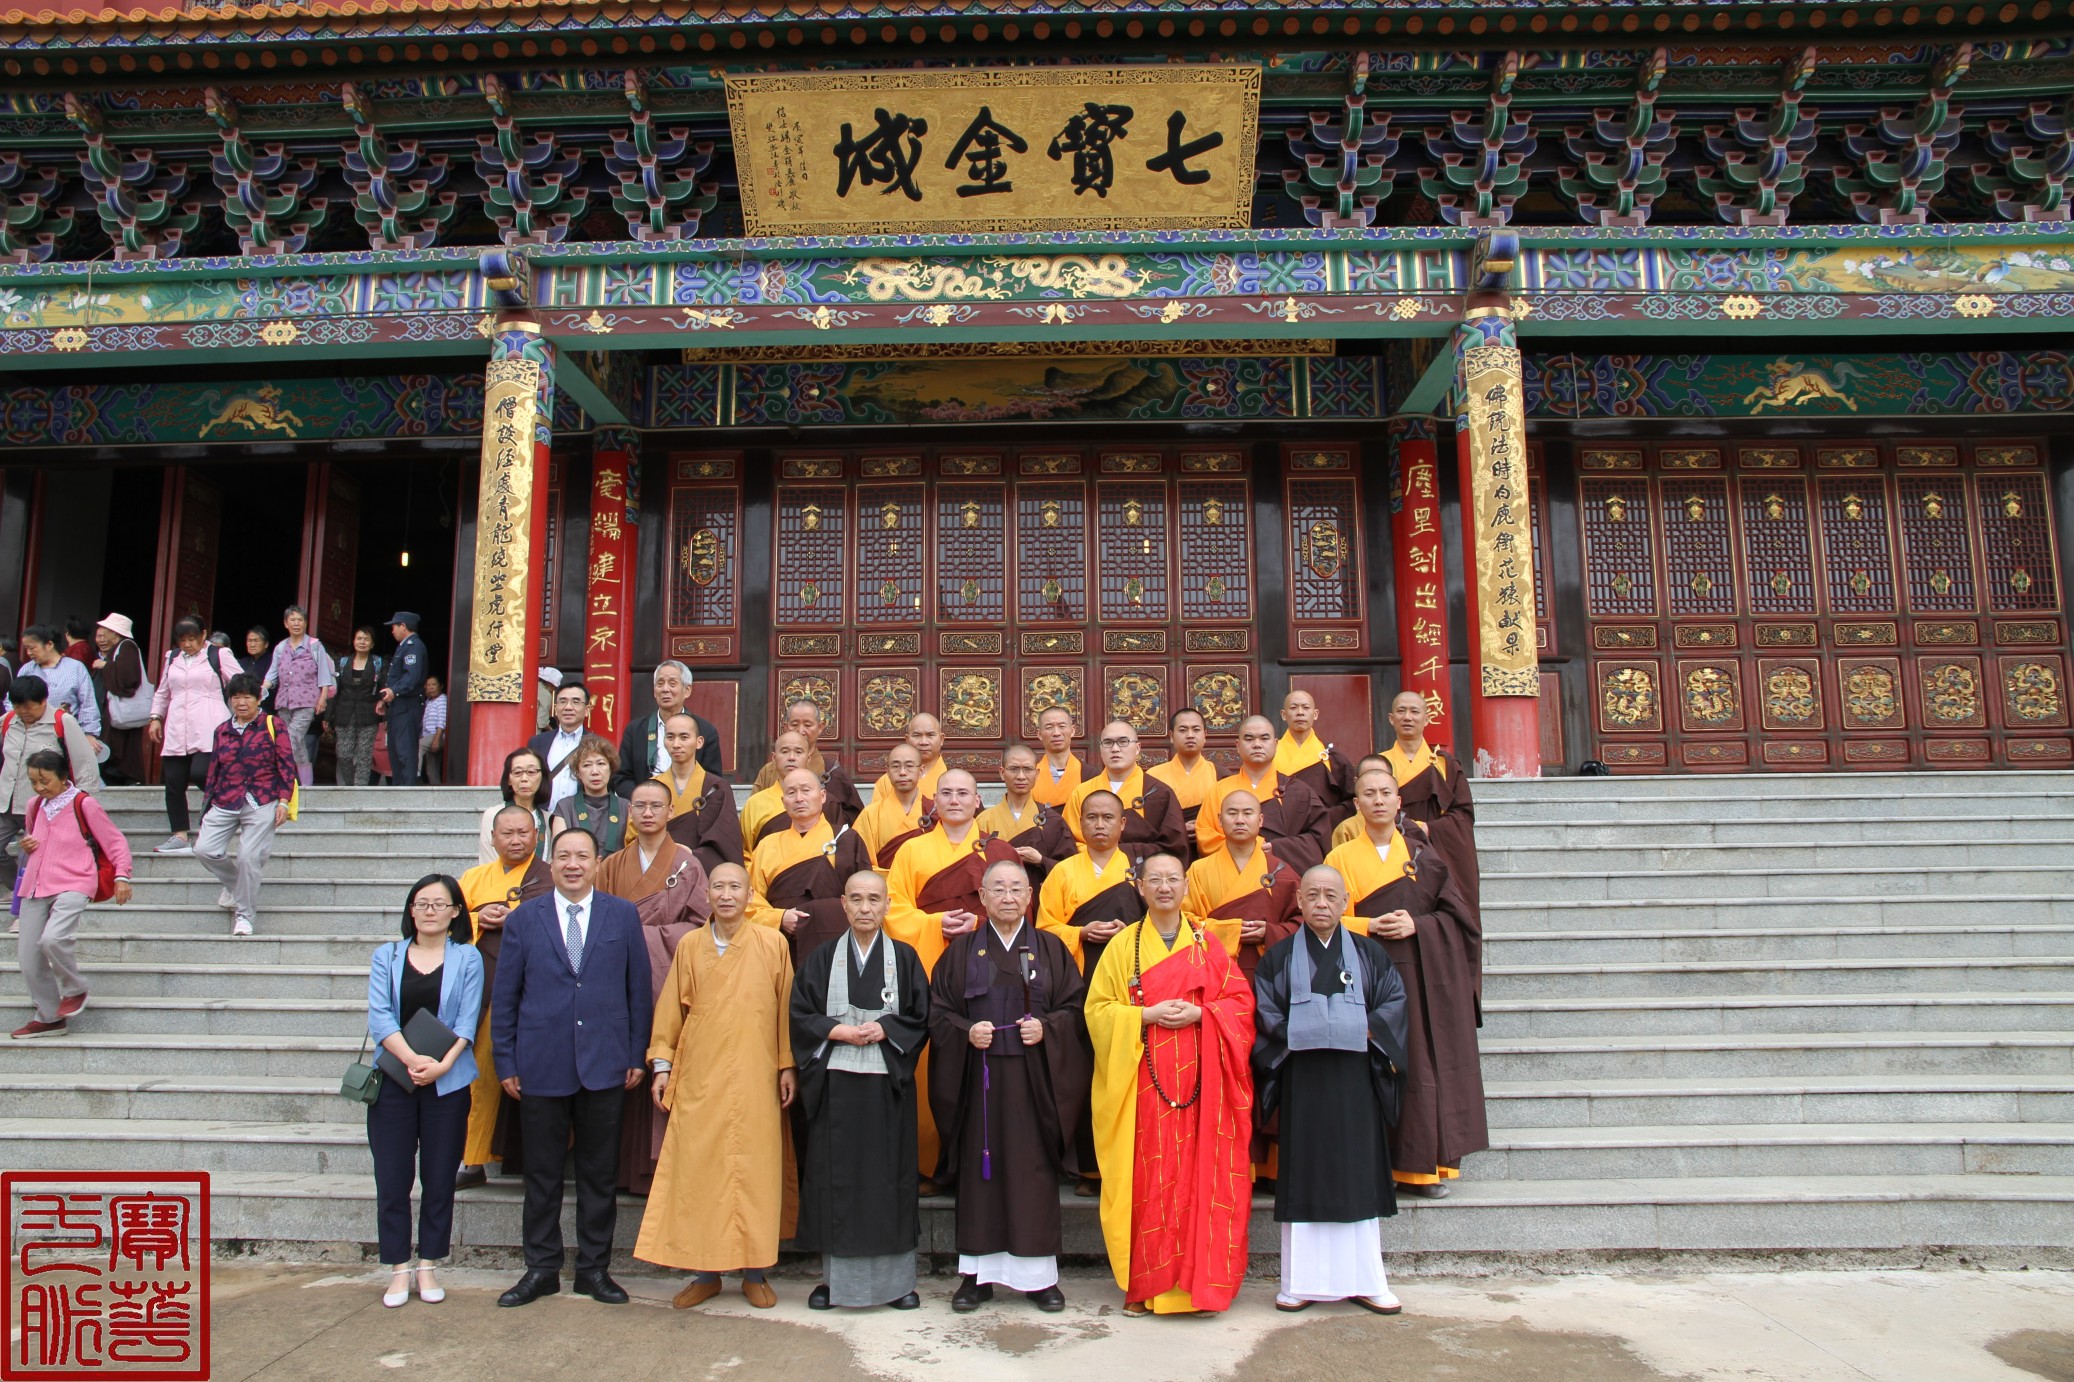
[426, 1035]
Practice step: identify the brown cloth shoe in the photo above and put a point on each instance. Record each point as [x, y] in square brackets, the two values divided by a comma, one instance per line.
[697, 1293]
[759, 1294]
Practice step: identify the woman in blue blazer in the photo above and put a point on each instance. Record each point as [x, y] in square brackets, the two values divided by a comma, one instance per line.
[417, 1134]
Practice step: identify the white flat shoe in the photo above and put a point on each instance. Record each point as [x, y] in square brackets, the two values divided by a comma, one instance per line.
[433, 1294]
[392, 1299]
[1383, 1304]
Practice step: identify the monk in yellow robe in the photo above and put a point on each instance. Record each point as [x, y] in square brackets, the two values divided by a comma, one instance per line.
[1292, 820]
[1151, 813]
[898, 810]
[804, 717]
[702, 804]
[1350, 828]
[1036, 832]
[764, 811]
[1320, 766]
[491, 890]
[1189, 774]
[925, 737]
[1243, 894]
[797, 873]
[1061, 770]
[721, 1050]
[1171, 1019]
[1401, 893]
[1435, 793]
[933, 896]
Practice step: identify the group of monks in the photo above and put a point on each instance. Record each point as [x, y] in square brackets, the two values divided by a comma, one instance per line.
[1164, 984]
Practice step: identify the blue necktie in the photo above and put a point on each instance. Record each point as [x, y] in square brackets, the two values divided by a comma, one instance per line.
[575, 938]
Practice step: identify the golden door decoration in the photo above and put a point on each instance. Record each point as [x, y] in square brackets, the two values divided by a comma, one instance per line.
[1821, 606]
[977, 149]
[985, 588]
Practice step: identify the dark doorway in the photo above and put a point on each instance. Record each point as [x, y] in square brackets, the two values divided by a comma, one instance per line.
[130, 569]
[407, 507]
[260, 546]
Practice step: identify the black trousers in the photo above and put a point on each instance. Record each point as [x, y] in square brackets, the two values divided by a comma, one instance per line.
[416, 1135]
[177, 772]
[593, 1115]
[406, 717]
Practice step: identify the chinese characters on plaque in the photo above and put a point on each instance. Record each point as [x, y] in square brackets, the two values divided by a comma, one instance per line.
[1504, 549]
[1425, 633]
[503, 552]
[612, 536]
[107, 1274]
[1024, 148]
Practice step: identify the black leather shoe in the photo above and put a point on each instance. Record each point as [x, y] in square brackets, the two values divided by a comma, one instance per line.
[910, 1301]
[600, 1287]
[470, 1177]
[970, 1295]
[1050, 1300]
[817, 1299]
[537, 1282]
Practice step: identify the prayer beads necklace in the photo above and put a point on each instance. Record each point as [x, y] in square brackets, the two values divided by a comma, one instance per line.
[1138, 992]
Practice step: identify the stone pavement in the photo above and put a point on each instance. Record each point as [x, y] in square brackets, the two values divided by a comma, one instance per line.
[287, 1324]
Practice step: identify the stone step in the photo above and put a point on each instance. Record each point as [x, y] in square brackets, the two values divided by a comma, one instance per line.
[1903, 1220]
[1776, 1015]
[1694, 979]
[1694, 911]
[1801, 885]
[106, 944]
[1783, 1056]
[1749, 1101]
[1777, 943]
[185, 1144]
[1497, 829]
[228, 986]
[277, 917]
[1783, 786]
[142, 1017]
[225, 1098]
[400, 866]
[1603, 809]
[1783, 853]
[1761, 1150]
[158, 1055]
[363, 896]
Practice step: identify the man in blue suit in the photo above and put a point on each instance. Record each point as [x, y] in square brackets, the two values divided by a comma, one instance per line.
[569, 1030]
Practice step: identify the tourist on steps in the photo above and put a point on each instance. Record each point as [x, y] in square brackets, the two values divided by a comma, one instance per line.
[185, 711]
[251, 778]
[68, 835]
[359, 682]
[416, 1133]
[300, 678]
[33, 723]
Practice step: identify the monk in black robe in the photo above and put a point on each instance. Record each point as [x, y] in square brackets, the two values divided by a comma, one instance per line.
[796, 873]
[1328, 1061]
[1403, 895]
[1010, 1088]
[702, 804]
[860, 1014]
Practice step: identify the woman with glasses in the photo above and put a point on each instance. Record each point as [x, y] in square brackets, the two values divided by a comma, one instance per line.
[416, 1133]
[525, 786]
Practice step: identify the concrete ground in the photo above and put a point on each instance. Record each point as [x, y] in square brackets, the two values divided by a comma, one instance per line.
[285, 1324]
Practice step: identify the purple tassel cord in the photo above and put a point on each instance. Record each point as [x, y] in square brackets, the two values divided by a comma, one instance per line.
[986, 1130]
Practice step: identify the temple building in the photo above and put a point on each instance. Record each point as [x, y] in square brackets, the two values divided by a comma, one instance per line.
[1673, 386]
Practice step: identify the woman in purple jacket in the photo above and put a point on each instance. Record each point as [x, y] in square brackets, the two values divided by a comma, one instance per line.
[66, 828]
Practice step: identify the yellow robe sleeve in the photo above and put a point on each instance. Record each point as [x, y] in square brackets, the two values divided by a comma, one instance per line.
[1054, 905]
[904, 883]
[1209, 833]
[1201, 900]
[1116, 1026]
[760, 910]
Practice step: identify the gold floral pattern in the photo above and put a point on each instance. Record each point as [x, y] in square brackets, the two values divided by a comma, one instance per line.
[810, 686]
[1627, 696]
[1044, 689]
[2032, 690]
[1220, 698]
[1710, 695]
[971, 704]
[1789, 697]
[1951, 693]
[1139, 700]
[888, 699]
[1869, 695]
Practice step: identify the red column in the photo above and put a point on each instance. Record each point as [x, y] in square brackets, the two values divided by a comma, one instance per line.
[608, 597]
[1421, 578]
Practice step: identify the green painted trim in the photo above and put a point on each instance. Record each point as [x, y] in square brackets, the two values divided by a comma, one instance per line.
[571, 380]
[1431, 390]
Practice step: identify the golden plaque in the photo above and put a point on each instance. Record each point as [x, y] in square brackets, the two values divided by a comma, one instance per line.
[1025, 149]
[1504, 547]
[503, 554]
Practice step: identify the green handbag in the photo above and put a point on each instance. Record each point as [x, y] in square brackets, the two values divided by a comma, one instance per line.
[363, 1082]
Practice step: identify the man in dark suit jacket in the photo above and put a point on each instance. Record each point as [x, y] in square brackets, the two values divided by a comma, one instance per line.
[569, 1023]
[641, 747]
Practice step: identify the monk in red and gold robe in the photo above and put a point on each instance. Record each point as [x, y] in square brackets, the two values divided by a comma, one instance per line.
[899, 809]
[1152, 814]
[1243, 894]
[1036, 832]
[1171, 1019]
[1292, 820]
[1402, 893]
[702, 804]
[798, 873]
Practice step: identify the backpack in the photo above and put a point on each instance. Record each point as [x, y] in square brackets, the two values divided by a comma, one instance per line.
[104, 867]
[295, 784]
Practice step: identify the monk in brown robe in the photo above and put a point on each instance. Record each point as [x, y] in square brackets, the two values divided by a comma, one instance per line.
[702, 804]
[1152, 813]
[1403, 894]
[517, 874]
[1244, 894]
[899, 809]
[1304, 755]
[796, 873]
[764, 812]
[844, 805]
[925, 737]
[1036, 832]
[1061, 770]
[1350, 828]
[667, 885]
[1435, 792]
[1292, 820]
[1190, 772]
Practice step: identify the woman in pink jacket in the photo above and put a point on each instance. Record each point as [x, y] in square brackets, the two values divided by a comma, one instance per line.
[60, 875]
[185, 710]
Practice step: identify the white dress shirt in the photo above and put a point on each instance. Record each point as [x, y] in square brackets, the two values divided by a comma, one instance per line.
[563, 751]
[583, 915]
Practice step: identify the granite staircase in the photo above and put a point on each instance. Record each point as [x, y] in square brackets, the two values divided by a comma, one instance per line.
[1824, 1016]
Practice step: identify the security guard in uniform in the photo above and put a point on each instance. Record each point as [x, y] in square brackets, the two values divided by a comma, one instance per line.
[403, 697]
